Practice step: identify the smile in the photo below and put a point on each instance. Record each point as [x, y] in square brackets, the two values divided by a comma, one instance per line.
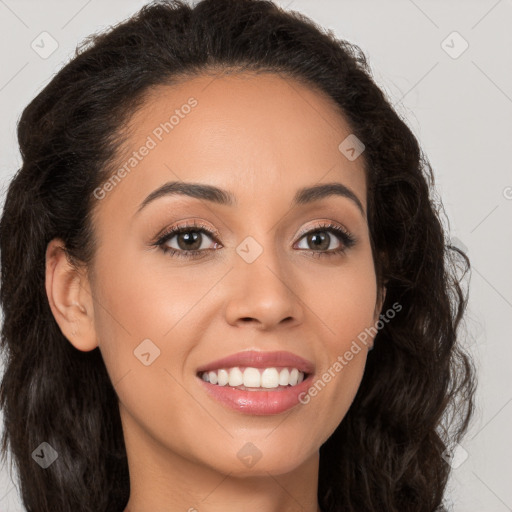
[254, 378]
[257, 383]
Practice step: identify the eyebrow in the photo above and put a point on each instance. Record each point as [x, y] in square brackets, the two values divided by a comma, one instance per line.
[217, 195]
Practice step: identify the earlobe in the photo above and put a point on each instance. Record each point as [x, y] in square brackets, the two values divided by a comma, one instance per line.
[70, 299]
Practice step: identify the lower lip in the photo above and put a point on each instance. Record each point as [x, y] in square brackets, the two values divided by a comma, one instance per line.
[258, 402]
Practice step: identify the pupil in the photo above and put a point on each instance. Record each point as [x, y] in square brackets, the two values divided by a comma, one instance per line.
[190, 238]
[319, 240]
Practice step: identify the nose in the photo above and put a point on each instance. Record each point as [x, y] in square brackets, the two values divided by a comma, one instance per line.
[264, 293]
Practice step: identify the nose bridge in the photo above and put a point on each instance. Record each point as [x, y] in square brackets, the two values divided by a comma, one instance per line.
[263, 289]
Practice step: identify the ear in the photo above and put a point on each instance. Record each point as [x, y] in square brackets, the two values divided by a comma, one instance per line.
[70, 298]
[381, 297]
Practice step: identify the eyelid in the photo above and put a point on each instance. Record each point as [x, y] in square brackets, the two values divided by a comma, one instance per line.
[199, 225]
[324, 224]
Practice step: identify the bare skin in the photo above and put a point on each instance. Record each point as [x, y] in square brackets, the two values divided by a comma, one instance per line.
[262, 138]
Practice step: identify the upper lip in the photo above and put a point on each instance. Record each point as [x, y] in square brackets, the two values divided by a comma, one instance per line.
[257, 359]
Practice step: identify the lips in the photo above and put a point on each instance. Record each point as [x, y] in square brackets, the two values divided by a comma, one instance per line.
[256, 359]
[258, 401]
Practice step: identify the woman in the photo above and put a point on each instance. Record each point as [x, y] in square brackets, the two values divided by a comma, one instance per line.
[224, 281]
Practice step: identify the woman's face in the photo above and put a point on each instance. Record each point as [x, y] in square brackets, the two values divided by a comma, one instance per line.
[269, 274]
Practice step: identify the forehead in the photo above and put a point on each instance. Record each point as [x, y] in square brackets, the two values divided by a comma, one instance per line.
[260, 136]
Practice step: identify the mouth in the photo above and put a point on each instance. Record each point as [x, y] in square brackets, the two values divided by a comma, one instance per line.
[257, 383]
[254, 379]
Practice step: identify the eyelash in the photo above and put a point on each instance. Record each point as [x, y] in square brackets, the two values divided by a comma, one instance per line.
[345, 237]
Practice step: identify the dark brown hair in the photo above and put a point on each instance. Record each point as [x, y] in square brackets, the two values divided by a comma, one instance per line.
[416, 397]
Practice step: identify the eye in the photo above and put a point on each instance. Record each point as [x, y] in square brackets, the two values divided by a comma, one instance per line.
[191, 240]
[187, 240]
[321, 239]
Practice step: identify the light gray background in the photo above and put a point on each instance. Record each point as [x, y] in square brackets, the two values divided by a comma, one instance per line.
[459, 108]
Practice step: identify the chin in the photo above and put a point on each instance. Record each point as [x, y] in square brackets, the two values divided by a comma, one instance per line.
[250, 461]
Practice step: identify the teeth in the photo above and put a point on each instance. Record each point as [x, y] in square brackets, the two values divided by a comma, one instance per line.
[268, 378]
[222, 377]
[284, 377]
[236, 377]
[252, 378]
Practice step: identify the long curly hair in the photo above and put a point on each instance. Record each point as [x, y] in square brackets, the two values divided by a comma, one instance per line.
[416, 398]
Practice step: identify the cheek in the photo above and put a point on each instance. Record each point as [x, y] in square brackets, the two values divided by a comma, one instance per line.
[142, 315]
[344, 298]
[139, 300]
[347, 312]
[151, 314]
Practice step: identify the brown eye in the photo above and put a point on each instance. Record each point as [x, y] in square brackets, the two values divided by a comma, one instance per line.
[187, 240]
[320, 240]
